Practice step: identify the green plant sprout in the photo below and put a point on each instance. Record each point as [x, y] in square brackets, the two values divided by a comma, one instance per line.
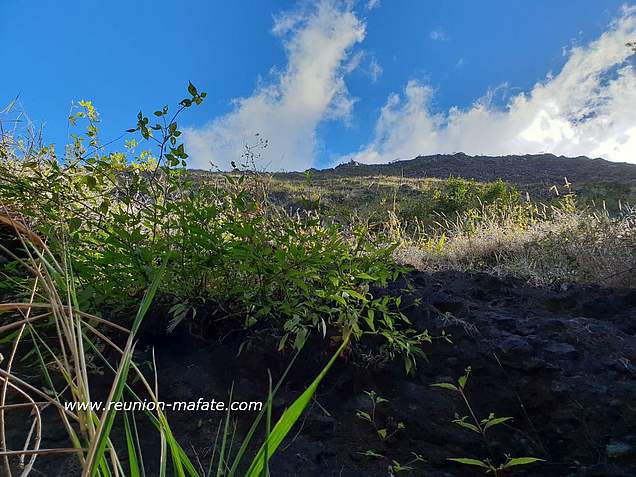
[396, 467]
[481, 427]
[382, 432]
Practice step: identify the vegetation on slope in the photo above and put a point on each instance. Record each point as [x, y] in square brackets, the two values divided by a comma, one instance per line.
[100, 232]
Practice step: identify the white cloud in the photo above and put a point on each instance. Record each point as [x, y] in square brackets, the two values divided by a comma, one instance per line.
[366, 63]
[311, 89]
[586, 109]
[354, 61]
[374, 70]
[371, 4]
[438, 34]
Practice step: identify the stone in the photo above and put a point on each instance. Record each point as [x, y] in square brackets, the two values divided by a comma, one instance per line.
[618, 449]
[563, 350]
[515, 344]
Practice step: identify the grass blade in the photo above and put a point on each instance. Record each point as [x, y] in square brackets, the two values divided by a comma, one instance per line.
[289, 418]
[98, 445]
[131, 445]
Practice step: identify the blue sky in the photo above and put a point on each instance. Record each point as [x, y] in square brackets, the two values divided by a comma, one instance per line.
[330, 80]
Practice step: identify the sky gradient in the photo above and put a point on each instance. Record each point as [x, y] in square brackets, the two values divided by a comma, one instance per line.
[331, 81]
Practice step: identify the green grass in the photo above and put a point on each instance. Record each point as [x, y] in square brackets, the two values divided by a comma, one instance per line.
[89, 432]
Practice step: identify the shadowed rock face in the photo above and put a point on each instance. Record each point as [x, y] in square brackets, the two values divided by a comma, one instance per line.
[561, 361]
[519, 169]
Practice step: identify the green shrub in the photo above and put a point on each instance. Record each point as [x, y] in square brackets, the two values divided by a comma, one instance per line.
[120, 214]
[459, 195]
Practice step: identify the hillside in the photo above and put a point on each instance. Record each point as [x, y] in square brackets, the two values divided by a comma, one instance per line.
[525, 169]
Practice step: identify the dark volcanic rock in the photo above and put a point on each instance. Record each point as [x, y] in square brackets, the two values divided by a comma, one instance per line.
[518, 169]
[560, 362]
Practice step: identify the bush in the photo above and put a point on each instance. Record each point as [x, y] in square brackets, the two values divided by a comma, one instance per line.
[459, 195]
[122, 215]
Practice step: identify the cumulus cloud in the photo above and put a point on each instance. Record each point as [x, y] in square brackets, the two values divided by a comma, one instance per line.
[588, 108]
[318, 41]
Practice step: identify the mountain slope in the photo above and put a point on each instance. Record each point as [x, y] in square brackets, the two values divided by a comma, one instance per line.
[526, 169]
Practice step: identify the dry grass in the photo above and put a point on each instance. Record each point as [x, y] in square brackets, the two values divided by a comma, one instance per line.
[561, 246]
[59, 351]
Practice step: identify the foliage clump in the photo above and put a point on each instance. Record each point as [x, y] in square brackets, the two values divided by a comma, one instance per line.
[229, 250]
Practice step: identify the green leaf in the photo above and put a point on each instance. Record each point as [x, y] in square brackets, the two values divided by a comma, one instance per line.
[356, 295]
[74, 224]
[467, 425]
[467, 461]
[133, 461]
[90, 181]
[220, 469]
[408, 365]
[191, 89]
[370, 319]
[283, 340]
[289, 418]
[301, 337]
[496, 421]
[449, 386]
[372, 453]
[521, 461]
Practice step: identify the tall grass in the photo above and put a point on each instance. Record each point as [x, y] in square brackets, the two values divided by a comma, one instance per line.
[62, 349]
[540, 244]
